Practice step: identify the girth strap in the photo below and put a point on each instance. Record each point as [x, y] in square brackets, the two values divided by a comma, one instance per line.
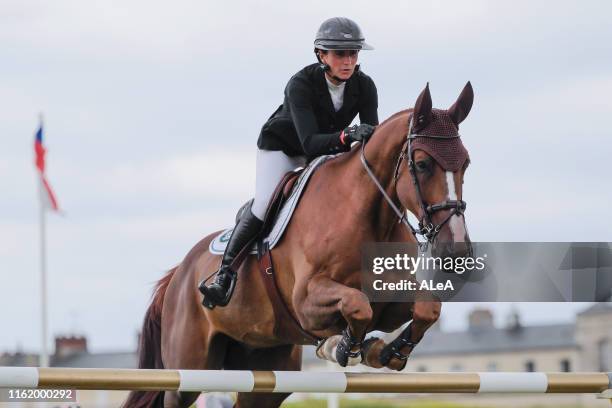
[286, 326]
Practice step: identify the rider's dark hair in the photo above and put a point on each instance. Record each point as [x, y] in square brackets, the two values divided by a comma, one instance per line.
[317, 51]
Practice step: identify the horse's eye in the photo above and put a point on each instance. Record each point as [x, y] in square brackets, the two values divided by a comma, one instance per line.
[421, 165]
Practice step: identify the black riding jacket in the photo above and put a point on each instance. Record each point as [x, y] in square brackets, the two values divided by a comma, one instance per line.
[307, 123]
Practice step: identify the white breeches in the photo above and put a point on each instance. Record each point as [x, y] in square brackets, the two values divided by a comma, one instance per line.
[270, 168]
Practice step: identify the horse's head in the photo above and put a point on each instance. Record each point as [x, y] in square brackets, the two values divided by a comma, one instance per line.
[430, 184]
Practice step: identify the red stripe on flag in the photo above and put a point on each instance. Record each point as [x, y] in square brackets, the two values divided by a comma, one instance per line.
[39, 161]
[40, 151]
[50, 194]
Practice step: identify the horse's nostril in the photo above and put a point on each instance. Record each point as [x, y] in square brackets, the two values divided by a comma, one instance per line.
[452, 249]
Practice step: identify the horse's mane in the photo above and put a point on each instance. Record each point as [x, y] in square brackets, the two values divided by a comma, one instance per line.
[395, 115]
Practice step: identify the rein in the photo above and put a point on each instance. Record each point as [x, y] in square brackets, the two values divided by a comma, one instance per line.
[426, 227]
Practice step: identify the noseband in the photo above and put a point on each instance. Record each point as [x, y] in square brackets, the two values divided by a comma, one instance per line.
[426, 226]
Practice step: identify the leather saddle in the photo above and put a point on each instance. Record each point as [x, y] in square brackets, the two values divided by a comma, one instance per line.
[280, 195]
[286, 326]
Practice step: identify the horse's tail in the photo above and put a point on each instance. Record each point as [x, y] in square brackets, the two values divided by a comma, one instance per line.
[149, 349]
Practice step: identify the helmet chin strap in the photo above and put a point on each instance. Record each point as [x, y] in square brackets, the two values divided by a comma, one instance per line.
[327, 68]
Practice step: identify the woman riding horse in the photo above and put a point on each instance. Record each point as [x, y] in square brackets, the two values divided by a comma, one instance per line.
[320, 103]
[414, 161]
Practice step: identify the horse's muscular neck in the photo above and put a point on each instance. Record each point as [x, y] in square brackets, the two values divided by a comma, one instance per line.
[382, 152]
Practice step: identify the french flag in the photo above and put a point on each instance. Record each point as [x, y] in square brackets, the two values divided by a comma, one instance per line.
[47, 195]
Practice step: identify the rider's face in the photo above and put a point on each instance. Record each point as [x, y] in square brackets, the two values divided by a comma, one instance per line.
[341, 62]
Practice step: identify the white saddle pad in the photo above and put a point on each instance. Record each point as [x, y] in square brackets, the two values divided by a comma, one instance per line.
[218, 244]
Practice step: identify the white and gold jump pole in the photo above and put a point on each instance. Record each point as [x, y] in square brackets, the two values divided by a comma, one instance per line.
[303, 381]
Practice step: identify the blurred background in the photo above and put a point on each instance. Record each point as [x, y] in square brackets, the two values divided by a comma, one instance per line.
[152, 111]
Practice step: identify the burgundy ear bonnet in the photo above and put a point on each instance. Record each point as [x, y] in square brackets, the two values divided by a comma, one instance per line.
[442, 127]
[449, 152]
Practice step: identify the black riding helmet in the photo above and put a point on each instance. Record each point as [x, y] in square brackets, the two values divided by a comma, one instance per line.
[339, 33]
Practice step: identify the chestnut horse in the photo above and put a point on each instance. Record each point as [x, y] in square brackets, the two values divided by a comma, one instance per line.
[318, 265]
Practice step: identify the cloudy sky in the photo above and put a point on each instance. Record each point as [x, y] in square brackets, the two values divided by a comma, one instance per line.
[152, 112]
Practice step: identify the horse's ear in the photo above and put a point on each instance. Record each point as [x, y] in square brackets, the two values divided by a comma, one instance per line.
[422, 110]
[461, 108]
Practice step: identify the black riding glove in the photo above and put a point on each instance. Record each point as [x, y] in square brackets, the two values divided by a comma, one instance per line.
[356, 133]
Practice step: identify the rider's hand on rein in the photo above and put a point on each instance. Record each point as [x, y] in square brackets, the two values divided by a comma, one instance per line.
[356, 133]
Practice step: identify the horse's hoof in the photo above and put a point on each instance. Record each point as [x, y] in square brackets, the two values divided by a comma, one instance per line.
[396, 365]
[391, 356]
[326, 349]
[370, 351]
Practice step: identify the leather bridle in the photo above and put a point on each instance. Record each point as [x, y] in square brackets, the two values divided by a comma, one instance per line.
[426, 226]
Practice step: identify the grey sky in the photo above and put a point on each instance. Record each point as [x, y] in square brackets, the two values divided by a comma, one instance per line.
[153, 110]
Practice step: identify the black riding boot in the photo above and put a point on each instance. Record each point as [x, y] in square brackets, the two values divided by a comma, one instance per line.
[220, 291]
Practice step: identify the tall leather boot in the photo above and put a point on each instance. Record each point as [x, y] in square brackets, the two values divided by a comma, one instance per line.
[220, 291]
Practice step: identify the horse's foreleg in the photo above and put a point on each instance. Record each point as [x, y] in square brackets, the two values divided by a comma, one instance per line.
[424, 315]
[394, 355]
[324, 300]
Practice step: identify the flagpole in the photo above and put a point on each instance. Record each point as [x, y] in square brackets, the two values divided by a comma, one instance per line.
[44, 354]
